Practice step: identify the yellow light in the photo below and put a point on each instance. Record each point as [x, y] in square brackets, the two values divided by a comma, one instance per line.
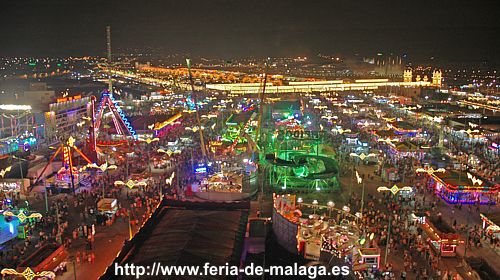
[28, 273]
[4, 171]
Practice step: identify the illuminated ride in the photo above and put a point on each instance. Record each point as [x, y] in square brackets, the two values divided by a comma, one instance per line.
[298, 164]
[456, 187]
[240, 129]
[121, 123]
[161, 128]
[68, 175]
[323, 233]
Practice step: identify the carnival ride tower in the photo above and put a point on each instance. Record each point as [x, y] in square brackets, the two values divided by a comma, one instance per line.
[121, 123]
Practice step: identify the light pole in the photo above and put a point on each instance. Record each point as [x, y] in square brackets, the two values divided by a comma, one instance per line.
[330, 204]
[431, 171]
[21, 169]
[130, 183]
[104, 168]
[394, 190]
[361, 181]
[149, 141]
[361, 156]
[314, 203]
[299, 201]
[45, 195]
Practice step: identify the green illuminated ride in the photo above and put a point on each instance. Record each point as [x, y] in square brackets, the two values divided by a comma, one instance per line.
[302, 167]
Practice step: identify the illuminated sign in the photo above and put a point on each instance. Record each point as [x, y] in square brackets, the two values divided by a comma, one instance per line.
[69, 98]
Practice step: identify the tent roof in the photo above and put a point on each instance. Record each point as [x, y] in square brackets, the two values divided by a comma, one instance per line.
[185, 237]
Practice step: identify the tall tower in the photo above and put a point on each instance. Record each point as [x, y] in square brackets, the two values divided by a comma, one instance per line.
[407, 75]
[437, 78]
[108, 47]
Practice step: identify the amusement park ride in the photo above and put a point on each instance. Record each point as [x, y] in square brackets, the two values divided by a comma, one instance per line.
[122, 125]
[66, 149]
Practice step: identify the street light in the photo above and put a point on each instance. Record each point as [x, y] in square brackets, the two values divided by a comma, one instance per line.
[170, 179]
[474, 179]
[330, 205]
[388, 140]
[130, 183]
[168, 152]
[362, 156]
[104, 168]
[21, 216]
[314, 203]
[28, 273]
[149, 141]
[394, 190]
[469, 131]
[4, 171]
[340, 130]
[360, 180]
[430, 171]
[21, 169]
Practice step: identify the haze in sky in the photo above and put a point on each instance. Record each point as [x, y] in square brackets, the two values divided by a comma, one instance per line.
[456, 30]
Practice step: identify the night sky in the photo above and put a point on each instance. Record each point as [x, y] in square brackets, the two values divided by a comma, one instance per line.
[455, 30]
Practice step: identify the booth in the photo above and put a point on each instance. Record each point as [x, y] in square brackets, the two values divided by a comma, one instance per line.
[108, 208]
[47, 258]
[369, 258]
[316, 234]
[443, 244]
[457, 187]
[11, 187]
[8, 229]
[491, 223]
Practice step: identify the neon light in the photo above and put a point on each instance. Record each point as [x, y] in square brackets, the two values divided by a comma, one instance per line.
[66, 156]
[117, 114]
[69, 98]
[12, 107]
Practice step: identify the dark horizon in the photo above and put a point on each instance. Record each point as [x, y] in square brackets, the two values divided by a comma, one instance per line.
[453, 31]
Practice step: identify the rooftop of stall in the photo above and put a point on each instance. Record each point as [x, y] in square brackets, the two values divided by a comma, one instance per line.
[459, 178]
[107, 205]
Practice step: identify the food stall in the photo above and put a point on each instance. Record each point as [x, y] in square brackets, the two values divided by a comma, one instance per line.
[443, 244]
[11, 187]
[369, 258]
[491, 224]
[50, 257]
[317, 235]
[108, 208]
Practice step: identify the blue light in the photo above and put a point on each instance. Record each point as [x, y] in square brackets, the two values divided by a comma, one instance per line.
[201, 170]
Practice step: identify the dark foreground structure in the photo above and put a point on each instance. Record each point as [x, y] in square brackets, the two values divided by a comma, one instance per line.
[181, 233]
